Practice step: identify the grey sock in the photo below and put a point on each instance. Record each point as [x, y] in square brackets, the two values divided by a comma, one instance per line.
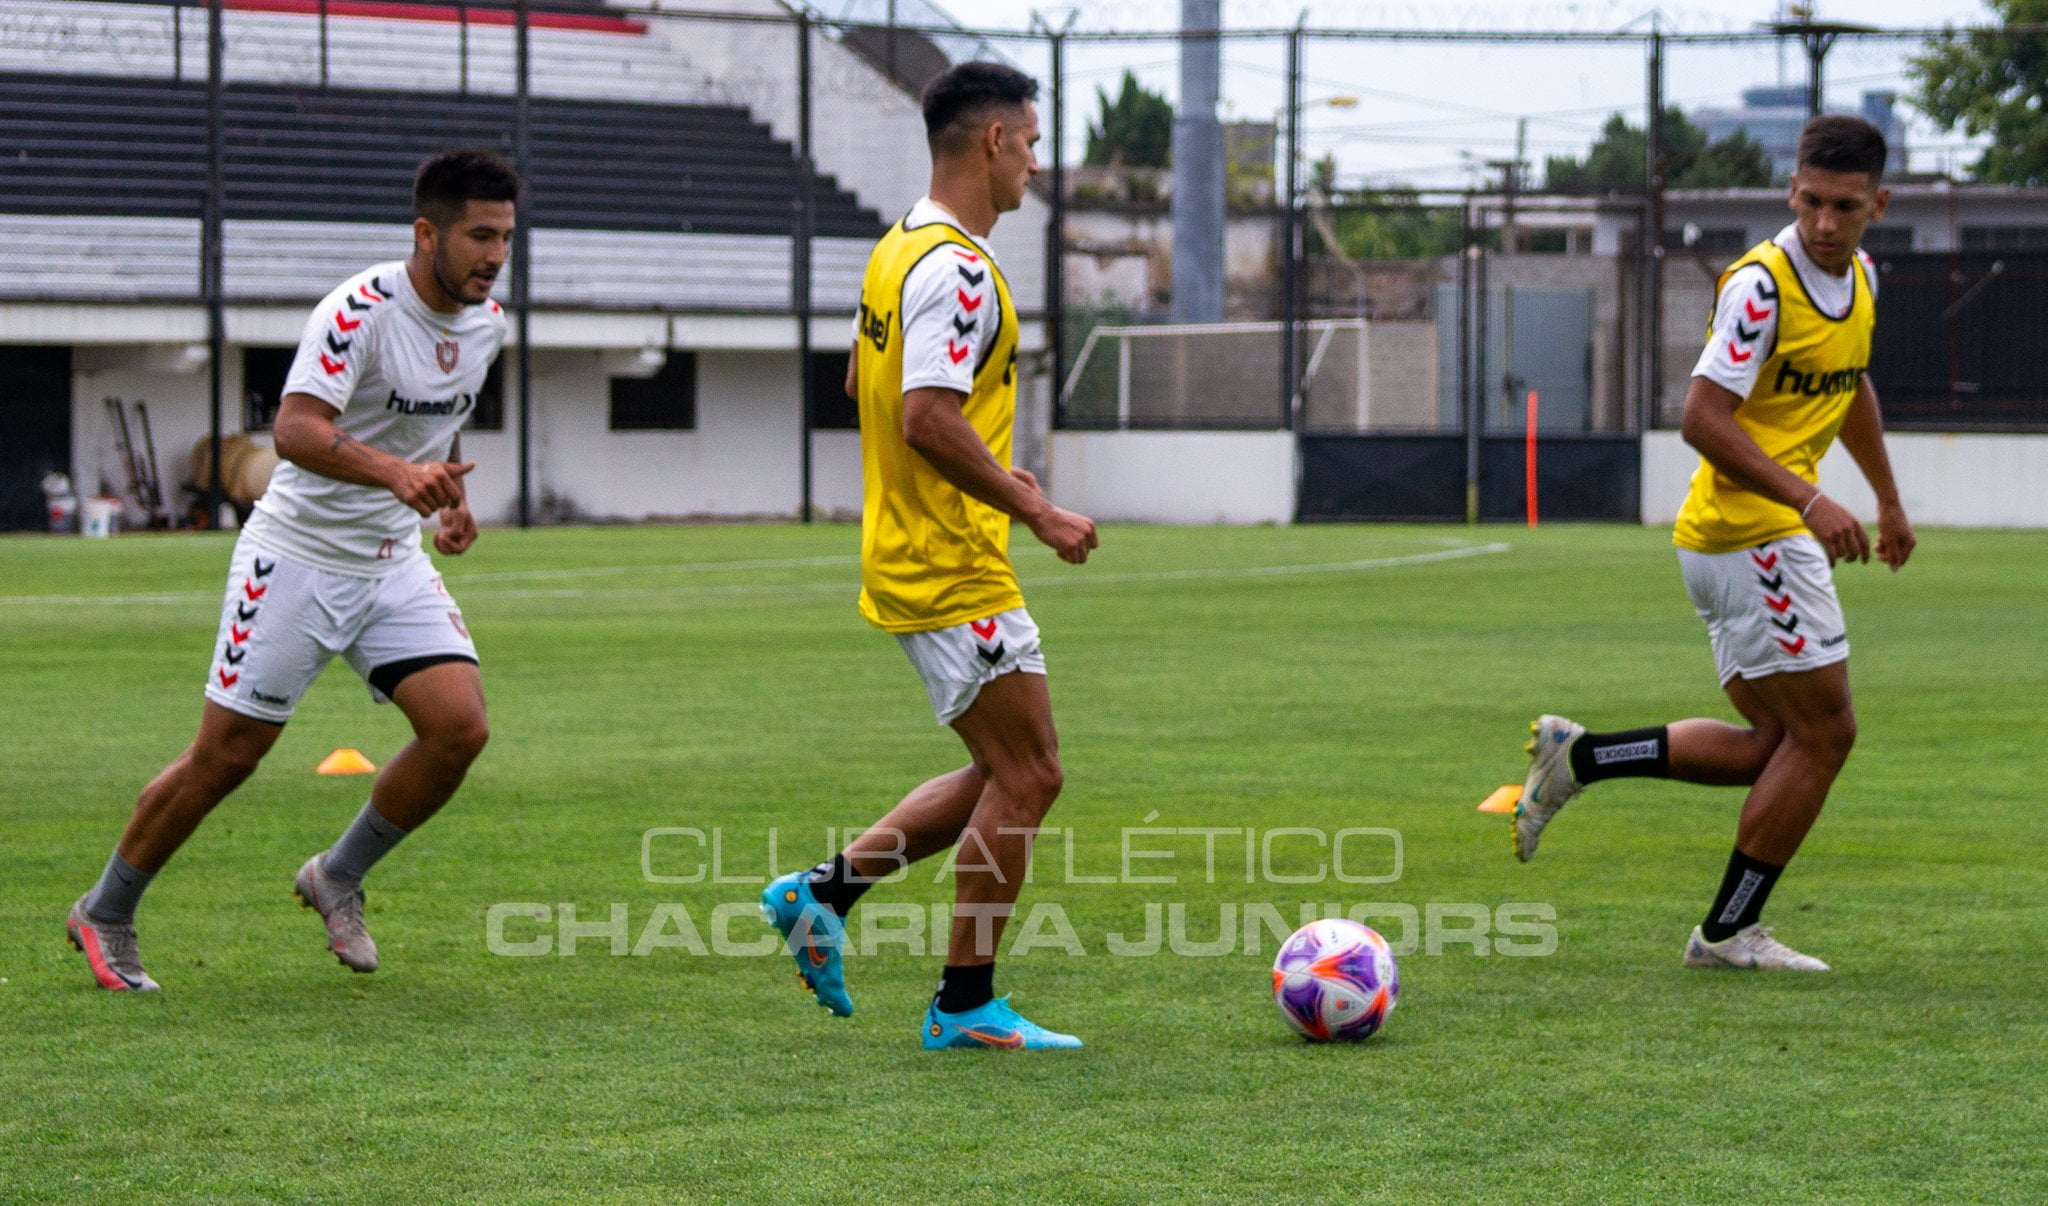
[114, 898]
[368, 838]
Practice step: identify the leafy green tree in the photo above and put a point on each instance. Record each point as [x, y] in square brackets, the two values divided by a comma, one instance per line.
[1614, 163]
[1992, 84]
[1135, 129]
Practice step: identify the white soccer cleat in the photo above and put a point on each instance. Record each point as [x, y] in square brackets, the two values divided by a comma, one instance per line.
[1550, 782]
[1751, 949]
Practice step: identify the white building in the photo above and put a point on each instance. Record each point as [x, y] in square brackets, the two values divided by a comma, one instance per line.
[663, 184]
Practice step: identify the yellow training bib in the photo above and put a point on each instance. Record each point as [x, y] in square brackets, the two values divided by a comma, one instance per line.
[931, 556]
[1801, 397]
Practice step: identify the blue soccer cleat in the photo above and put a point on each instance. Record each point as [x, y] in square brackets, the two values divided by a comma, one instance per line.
[993, 1025]
[814, 934]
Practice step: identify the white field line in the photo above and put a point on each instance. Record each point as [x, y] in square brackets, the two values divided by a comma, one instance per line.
[467, 585]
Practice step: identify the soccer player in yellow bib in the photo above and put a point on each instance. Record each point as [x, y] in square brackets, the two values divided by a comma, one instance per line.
[934, 372]
[1784, 373]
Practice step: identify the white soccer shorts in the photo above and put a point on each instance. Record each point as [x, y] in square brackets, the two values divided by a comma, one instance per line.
[282, 620]
[1769, 610]
[955, 663]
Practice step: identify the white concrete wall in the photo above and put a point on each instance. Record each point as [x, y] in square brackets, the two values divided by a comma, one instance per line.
[1945, 480]
[1198, 477]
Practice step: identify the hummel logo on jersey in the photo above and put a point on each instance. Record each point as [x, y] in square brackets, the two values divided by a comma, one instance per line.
[1739, 355]
[957, 351]
[345, 323]
[338, 346]
[874, 324]
[965, 326]
[1634, 751]
[1755, 315]
[332, 366]
[1833, 641]
[969, 304]
[458, 405]
[1816, 384]
[973, 278]
[358, 307]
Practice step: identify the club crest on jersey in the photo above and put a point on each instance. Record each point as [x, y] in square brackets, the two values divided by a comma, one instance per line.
[446, 353]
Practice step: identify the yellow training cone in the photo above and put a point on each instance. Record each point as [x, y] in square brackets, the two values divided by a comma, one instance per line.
[346, 762]
[1503, 799]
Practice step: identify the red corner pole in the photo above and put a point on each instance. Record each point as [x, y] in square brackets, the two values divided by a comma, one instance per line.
[1529, 458]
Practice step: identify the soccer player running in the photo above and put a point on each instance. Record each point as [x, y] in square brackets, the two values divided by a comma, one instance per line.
[389, 367]
[934, 372]
[1783, 374]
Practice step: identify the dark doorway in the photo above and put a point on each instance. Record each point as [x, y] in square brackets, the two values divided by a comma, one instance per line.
[35, 412]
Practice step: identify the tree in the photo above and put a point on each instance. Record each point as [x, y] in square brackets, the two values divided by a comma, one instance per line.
[1614, 163]
[1995, 84]
[1133, 130]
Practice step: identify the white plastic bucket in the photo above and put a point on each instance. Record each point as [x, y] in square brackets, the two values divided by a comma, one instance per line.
[99, 517]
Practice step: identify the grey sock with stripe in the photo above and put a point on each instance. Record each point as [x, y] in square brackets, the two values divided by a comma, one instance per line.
[114, 898]
[368, 838]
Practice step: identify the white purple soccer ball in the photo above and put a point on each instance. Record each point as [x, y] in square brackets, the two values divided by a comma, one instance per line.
[1335, 981]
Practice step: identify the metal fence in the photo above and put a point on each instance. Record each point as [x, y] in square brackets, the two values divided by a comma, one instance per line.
[1429, 303]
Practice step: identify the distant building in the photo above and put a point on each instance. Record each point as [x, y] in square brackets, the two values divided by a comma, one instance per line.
[1773, 116]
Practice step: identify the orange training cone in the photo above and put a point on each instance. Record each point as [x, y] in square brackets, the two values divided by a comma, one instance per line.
[1503, 799]
[346, 762]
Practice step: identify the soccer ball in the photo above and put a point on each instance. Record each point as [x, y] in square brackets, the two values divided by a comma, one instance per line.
[1335, 981]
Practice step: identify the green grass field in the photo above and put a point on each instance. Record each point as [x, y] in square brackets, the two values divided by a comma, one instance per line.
[718, 678]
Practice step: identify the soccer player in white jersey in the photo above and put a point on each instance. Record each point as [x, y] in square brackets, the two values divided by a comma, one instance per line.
[389, 367]
[1784, 373]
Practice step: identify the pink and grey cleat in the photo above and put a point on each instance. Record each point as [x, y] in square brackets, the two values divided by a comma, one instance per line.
[341, 907]
[109, 949]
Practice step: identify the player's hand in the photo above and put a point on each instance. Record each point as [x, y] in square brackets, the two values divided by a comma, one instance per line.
[1839, 532]
[1894, 535]
[458, 530]
[433, 486]
[1029, 479]
[1068, 533]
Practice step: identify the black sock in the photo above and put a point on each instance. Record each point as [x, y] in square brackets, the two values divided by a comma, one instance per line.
[1644, 753]
[1744, 889]
[836, 886]
[966, 987]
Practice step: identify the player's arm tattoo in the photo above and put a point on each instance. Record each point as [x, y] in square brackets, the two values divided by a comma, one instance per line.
[343, 441]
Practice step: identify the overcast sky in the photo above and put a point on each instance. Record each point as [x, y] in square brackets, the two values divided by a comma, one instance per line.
[1426, 113]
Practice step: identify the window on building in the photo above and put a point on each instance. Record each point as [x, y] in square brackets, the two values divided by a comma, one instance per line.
[667, 401]
[263, 374]
[489, 414]
[1888, 240]
[2005, 238]
[831, 409]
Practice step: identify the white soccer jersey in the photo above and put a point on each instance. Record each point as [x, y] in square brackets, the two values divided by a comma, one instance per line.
[949, 319]
[1744, 301]
[404, 378]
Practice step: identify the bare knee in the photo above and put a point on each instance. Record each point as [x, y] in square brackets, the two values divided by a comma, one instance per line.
[1830, 738]
[1033, 781]
[458, 739]
[223, 765]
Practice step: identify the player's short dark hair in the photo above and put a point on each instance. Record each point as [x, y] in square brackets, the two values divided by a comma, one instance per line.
[960, 100]
[1836, 142]
[452, 179]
